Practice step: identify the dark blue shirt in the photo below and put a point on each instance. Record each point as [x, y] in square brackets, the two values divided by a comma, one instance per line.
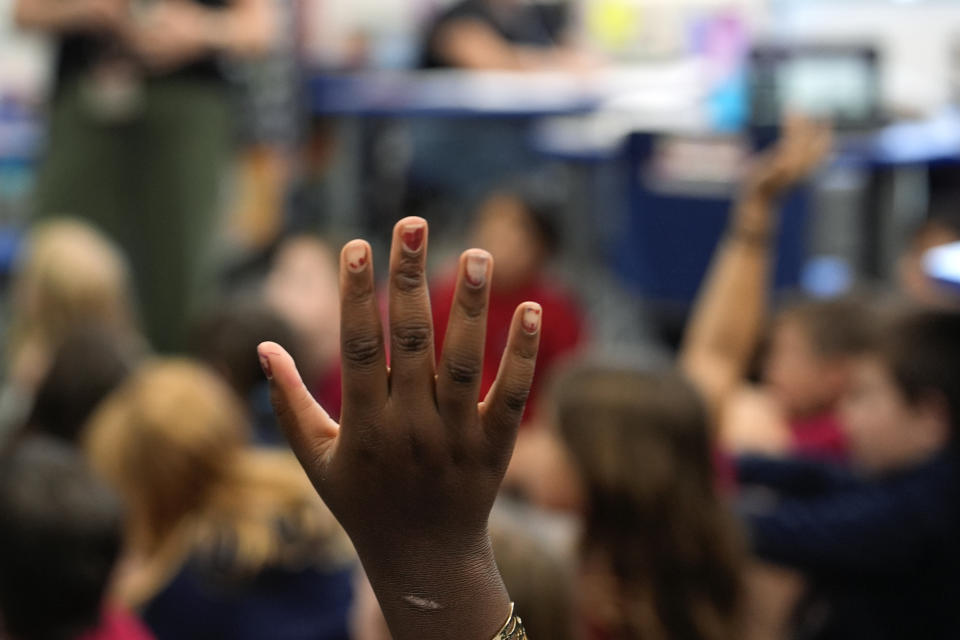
[277, 604]
[882, 555]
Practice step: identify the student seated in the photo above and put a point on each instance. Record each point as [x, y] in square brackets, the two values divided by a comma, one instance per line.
[221, 541]
[807, 367]
[70, 277]
[301, 287]
[86, 368]
[522, 237]
[226, 339]
[496, 35]
[812, 344]
[878, 545]
[661, 555]
[60, 538]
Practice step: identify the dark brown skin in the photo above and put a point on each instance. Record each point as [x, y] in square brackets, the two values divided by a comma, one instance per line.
[413, 468]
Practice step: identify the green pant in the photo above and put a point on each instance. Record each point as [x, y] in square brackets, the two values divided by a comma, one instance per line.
[151, 183]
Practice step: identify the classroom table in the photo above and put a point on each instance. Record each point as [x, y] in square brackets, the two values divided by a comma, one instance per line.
[483, 94]
[484, 99]
[588, 121]
[445, 94]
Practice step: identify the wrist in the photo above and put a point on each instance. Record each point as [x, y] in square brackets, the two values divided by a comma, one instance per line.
[755, 216]
[754, 238]
[438, 591]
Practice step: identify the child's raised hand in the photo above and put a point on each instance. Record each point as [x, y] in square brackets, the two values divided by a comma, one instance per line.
[414, 466]
[802, 148]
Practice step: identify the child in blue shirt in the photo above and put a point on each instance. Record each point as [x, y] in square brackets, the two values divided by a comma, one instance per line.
[878, 544]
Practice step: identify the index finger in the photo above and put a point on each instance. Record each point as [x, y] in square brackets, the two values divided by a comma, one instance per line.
[363, 359]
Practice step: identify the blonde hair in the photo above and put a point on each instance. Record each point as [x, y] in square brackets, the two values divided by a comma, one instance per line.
[70, 276]
[173, 442]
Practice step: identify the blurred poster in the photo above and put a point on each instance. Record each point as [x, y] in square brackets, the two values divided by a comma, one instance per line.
[640, 30]
[721, 39]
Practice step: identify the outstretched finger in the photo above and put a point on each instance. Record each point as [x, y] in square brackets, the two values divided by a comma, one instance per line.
[504, 405]
[412, 363]
[461, 361]
[309, 429]
[361, 336]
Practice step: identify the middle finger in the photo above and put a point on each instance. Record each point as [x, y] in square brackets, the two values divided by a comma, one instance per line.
[412, 362]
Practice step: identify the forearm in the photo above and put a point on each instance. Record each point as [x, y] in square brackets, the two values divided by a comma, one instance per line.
[241, 31]
[474, 46]
[849, 534]
[52, 16]
[729, 315]
[541, 59]
[427, 595]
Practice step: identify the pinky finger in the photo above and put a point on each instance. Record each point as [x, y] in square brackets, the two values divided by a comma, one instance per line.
[505, 403]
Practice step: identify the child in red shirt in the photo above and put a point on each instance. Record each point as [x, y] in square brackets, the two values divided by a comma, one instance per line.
[522, 239]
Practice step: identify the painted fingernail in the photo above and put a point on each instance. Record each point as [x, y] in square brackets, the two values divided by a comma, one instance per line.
[476, 273]
[412, 237]
[532, 316]
[267, 369]
[356, 257]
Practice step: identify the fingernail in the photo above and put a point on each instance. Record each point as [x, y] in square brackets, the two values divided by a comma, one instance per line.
[531, 319]
[477, 265]
[412, 236]
[265, 365]
[356, 257]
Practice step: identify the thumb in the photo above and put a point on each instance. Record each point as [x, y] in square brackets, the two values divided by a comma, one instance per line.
[308, 428]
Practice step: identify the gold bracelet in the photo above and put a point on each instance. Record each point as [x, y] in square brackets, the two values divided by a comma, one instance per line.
[513, 628]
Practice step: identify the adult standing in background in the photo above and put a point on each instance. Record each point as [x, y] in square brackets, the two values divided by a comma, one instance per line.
[487, 36]
[503, 35]
[139, 132]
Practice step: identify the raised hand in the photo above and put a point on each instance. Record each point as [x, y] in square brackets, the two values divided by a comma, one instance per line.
[414, 466]
[803, 146]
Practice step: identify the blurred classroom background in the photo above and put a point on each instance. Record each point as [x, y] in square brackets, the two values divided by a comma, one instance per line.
[338, 130]
[174, 185]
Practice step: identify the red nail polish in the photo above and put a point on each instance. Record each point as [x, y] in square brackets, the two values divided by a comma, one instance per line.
[412, 236]
[267, 369]
[357, 257]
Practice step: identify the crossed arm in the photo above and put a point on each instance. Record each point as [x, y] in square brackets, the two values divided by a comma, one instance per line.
[472, 44]
[168, 35]
[414, 466]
